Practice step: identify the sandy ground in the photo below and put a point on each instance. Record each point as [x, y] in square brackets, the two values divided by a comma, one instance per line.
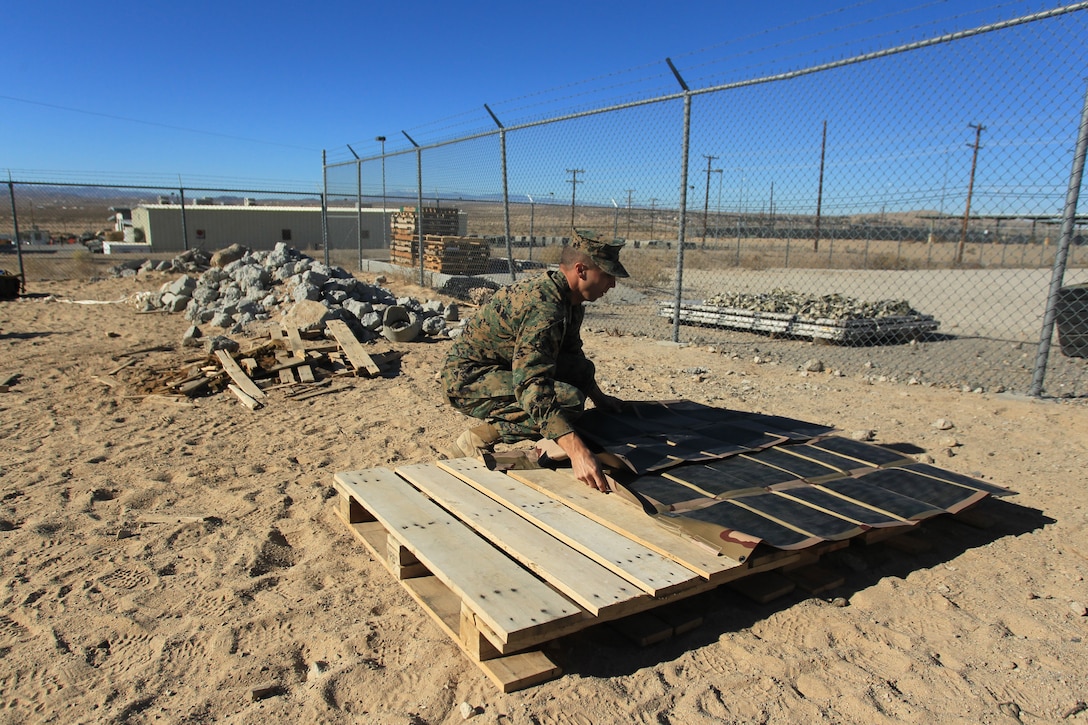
[164, 562]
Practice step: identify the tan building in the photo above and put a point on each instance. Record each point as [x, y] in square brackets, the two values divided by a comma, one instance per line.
[213, 227]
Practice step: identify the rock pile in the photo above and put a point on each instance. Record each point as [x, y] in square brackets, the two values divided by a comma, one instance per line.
[833, 306]
[259, 285]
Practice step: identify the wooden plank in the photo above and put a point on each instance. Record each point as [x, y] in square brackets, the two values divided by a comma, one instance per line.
[815, 578]
[631, 522]
[508, 672]
[765, 587]
[240, 379]
[647, 569]
[246, 400]
[358, 357]
[518, 608]
[295, 343]
[403, 563]
[644, 629]
[587, 582]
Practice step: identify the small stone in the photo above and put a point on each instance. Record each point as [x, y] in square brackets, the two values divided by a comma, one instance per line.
[467, 711]
[1078, 609]
[265, 691]
[948, 453]
[839, 602]
[948, 441]
[814, 366]
[863, 435]
[913, 381]
[943, 424]
[924, 458]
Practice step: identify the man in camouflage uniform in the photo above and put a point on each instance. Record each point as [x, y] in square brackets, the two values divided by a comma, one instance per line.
[519, 363]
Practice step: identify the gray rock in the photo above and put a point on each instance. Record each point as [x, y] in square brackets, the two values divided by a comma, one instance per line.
[433, 325]
[192, 336]
[220, 342]
[303, 292]
[183, 285]
[223, 319]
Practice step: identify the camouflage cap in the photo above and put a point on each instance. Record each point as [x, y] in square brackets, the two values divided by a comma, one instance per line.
[605, 254]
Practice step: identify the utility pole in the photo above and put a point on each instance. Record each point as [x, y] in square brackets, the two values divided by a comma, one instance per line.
[979, 128]
[653, 206]
[706, 201]
[629, 192]
[573, 190]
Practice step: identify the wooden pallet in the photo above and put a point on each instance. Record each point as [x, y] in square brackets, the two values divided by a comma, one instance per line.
[505, 565]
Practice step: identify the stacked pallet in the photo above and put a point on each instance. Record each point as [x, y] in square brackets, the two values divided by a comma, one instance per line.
[443, 250]
[456, 255]
[406, 225]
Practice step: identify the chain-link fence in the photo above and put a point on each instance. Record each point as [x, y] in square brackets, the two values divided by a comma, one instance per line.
[72, 230]
[899, 214]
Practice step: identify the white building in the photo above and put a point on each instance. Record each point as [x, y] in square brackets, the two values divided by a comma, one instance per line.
[211, 227]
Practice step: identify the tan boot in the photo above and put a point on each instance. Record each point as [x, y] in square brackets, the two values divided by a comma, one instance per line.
[475, 442]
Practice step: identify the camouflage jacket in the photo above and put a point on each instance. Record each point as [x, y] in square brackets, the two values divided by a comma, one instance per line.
[531, 329]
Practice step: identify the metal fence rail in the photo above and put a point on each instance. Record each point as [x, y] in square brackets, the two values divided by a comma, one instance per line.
[937, 174]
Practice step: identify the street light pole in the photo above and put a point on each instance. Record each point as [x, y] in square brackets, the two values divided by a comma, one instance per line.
[385, 226]
[615, 220]
[653, 206]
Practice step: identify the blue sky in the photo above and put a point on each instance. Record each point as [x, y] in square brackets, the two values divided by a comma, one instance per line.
[255, 91]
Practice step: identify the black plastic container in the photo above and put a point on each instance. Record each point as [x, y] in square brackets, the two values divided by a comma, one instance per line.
[1072, 319]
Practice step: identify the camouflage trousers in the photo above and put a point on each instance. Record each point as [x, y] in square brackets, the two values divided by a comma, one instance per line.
[490, 397]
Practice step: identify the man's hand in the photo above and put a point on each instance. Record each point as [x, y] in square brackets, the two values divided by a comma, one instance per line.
[587, 468]
[609, 403]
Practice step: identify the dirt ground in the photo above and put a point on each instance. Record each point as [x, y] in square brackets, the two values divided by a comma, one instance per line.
[182, 562]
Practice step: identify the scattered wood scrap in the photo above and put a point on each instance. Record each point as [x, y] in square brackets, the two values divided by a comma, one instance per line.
[302, 364]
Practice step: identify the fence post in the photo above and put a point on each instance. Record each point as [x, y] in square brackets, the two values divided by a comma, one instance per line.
[1069, 217]
[325, 207]
[184, 228]
[359, 209]
[684, 148]
[15, 229]
[506, 198]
